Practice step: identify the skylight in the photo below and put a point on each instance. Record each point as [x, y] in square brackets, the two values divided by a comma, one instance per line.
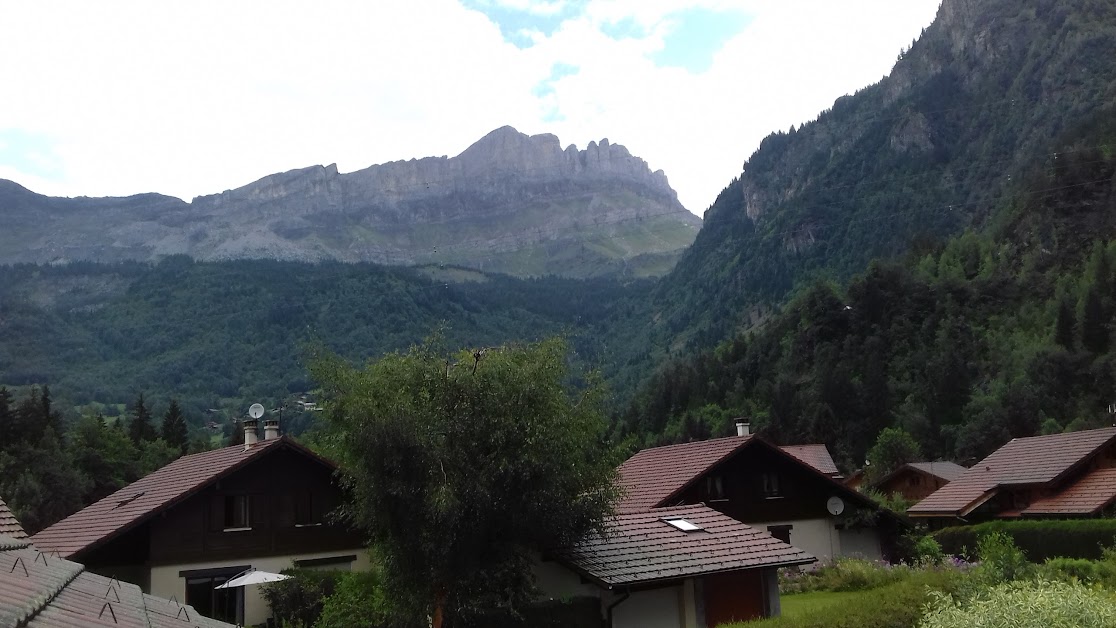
[683, 524]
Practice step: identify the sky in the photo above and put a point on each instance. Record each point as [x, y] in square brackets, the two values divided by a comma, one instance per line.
[189, 98]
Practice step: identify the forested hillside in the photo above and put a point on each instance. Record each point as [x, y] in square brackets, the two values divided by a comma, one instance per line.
[999, 332]
[930, 150]
[222, 335]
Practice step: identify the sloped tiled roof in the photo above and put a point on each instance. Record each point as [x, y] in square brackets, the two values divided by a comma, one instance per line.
[141, 499]
[816, 456]
[652, 475]
[40, 590]
[9, 525]
[1093, 491]
[1023, 461]
[948, 471]
[640, 548]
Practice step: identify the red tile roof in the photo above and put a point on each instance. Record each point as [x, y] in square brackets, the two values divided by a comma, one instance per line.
[641, 547]
[9, 525]
[948, 471]
[145, 497]
[816, 456]
[41, 590]
[1093, 491]
[652, 475]
[1023, 461]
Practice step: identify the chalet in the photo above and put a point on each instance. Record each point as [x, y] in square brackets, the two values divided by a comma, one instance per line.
[197, 522]
[916, 480]
[1060, 475]
[682, 567]
[755, 482]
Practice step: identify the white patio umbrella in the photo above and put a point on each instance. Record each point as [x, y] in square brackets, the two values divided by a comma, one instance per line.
[252, 576]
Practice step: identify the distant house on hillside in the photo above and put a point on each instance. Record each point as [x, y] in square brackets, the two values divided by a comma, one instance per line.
[1060, 475]
[755, 482]
[916, 480]
[197, 522]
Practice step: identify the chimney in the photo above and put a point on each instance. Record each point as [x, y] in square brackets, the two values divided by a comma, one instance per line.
[743, 427]
[271, 429]
[250, 435]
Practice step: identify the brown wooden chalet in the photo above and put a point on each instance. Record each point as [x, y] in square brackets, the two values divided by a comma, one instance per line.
[917, 480]
[758, 483]
[197, 522]
[1059, 475]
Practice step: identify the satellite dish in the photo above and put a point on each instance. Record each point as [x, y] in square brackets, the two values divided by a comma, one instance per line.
[835, 506]
[255, 411]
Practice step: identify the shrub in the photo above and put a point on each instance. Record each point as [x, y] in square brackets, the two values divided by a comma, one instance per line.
[842, 574]
[297, 601]
[1039, 539]
[1000, 559]
[1024, 605]
[928, 552]
[359, 602]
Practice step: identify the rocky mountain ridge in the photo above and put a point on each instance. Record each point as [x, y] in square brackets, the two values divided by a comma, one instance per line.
[509, 203]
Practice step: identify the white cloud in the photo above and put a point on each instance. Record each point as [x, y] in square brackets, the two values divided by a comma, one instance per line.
[194, 98]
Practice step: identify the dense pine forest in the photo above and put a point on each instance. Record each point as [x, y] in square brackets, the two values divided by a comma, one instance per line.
[965, 343]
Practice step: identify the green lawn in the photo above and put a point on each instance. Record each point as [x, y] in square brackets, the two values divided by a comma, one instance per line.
[802, 605]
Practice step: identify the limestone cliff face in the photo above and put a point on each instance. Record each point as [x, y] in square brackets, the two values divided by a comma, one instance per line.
[508, 203]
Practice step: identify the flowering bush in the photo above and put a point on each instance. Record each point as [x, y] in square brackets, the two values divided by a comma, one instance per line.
[842, 574]
[1024, 604]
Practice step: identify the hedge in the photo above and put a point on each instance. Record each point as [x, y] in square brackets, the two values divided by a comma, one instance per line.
[1039, 539]
[579, 612]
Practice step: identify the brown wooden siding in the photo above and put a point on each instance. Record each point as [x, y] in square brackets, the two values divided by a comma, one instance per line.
[802, 493]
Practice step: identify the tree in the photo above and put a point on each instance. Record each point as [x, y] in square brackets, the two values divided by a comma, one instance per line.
[894, 448]
[1063, 324]
[140, 428]
[461, 469]
[1094, 322]
[174, 427]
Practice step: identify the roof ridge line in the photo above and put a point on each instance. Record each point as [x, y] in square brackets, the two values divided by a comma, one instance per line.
[51, 594]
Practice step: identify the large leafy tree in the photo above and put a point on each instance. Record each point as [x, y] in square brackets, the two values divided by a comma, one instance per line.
[462, 468]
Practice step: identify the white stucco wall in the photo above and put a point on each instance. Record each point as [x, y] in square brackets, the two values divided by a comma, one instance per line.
[861, 543]
[816, 536]
[657, 608]
[556, 582]
[165, 581]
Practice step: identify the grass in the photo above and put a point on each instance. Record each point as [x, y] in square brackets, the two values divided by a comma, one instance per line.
[803, 605]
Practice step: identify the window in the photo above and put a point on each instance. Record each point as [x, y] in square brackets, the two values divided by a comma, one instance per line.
[237, 512]
[304, 510]
[683, 524]
[221, 604]
[715, 487]
[771, 484]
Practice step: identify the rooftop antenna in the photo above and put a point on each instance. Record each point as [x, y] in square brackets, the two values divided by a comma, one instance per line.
[255, 411]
